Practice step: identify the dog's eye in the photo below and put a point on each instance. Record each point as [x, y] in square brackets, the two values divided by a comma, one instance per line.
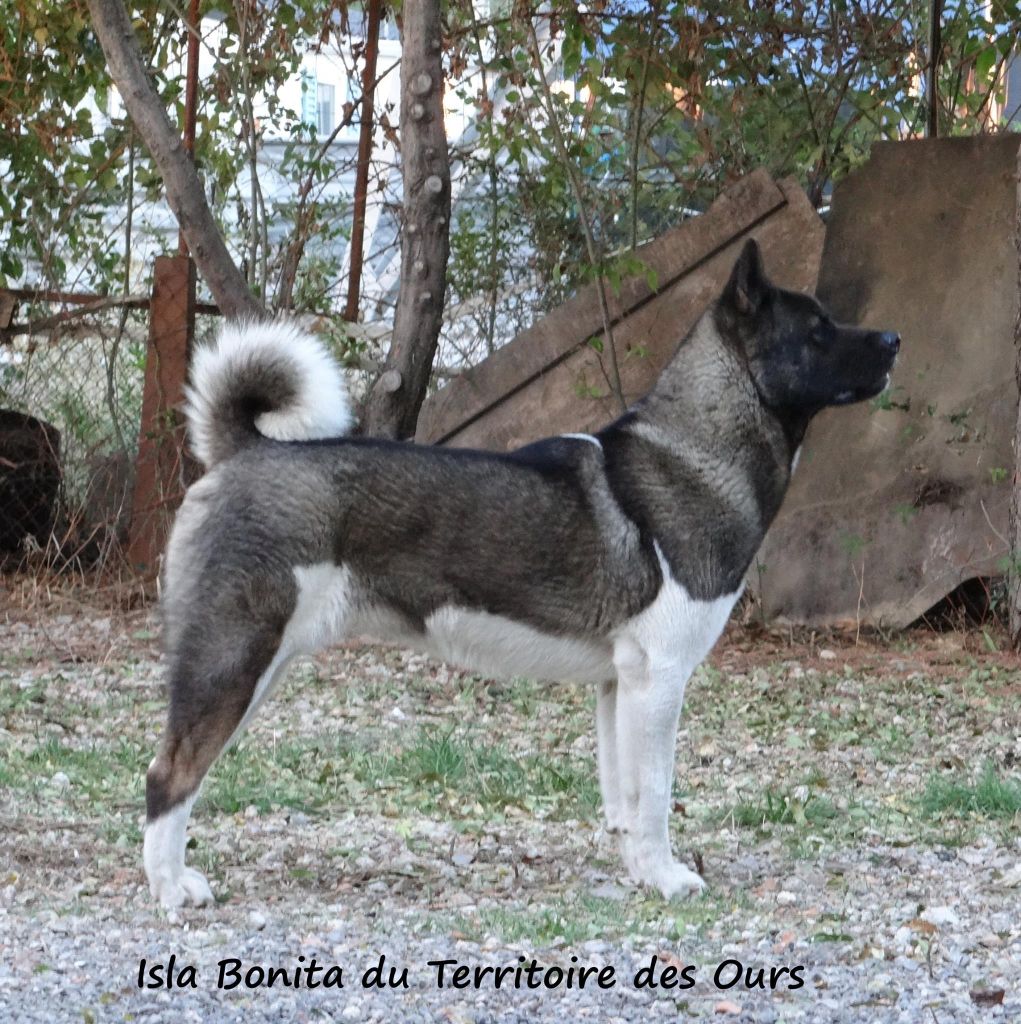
[819, 335]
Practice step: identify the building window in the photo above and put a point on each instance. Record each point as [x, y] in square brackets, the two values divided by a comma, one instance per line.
[308, 98]
[327, 102]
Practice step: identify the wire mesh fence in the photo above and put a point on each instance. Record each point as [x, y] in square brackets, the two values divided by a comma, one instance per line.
[70, 412]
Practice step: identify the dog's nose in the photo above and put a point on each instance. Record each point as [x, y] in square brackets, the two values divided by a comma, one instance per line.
[890, 340]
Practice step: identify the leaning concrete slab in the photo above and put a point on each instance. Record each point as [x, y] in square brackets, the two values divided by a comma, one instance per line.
[897, 501]
[549, 380]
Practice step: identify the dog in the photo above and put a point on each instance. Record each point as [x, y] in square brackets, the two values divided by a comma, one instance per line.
[612, 559]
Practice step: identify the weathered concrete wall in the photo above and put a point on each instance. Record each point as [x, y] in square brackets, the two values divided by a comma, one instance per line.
[896, 503]
[543, 381]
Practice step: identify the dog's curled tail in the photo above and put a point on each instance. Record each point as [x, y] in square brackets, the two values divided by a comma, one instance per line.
[263, 379]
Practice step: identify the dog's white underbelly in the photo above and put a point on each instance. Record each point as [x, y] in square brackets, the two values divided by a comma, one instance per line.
[674, 632]
[330, 608]
[496, 646]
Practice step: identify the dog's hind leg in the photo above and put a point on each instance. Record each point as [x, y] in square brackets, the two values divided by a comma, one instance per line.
[606, 749]
[213, 692]
[650, 693]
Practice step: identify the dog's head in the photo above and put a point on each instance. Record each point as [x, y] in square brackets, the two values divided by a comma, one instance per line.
[800, 359]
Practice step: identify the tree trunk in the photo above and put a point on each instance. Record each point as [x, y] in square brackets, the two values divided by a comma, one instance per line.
[394, 402]
[183, 187]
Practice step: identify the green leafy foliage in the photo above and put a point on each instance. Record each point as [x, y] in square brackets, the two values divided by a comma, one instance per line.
[660, 104]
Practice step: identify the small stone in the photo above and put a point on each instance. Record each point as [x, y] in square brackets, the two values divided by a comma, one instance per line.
[726, 1006]
[609, 891]
[940, 916]
[827, 655]
[1010, 879]
[257, 920]
[786, 898]
[60, 780]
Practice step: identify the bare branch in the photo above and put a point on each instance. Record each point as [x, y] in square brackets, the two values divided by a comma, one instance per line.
[183, 187]
[594, 255]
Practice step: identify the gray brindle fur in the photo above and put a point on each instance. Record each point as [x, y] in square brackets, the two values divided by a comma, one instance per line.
[613, 559]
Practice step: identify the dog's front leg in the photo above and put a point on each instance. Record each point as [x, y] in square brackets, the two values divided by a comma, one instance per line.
[650, 693]
[606, 748]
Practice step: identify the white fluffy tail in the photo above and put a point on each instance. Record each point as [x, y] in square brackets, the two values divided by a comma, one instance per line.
[263, 379]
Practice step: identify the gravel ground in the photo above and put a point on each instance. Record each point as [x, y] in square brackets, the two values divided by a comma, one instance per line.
[803, 771]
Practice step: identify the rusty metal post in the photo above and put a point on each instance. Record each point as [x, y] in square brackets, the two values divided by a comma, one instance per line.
[932, 72]
[190, 95]
[162, 468]
[364, 157]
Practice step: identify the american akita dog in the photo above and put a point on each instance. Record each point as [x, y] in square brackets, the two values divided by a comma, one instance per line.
[612, 559]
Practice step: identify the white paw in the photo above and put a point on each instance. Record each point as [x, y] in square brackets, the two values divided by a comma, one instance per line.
[629, 854]
[674, 879]
[190, 888]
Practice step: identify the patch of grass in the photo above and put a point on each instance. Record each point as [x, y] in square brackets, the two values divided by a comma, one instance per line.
[524, 695]
[777, 808]
[15, 699]
[441, 759]
[581, 917]
[456, 765]
[434, 771]
[121, 830]
[990, 795]
[288, 775]
[108, 774]
[892, 743]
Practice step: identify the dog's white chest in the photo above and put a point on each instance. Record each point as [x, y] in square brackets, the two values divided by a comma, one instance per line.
[676, 631]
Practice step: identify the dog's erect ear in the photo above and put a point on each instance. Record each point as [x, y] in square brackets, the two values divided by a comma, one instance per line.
[748, 283]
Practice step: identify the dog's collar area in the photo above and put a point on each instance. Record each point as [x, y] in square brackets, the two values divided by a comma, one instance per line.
[585, 437]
